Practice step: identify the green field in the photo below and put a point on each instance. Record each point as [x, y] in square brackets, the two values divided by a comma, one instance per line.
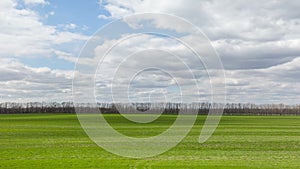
[58, 141]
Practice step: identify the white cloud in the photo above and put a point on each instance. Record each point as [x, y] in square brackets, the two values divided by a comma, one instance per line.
[258, 41]
[52, 13]
[149, 51]
[24, 83]
[42, 2]
[66, 56]
[246, 30]
[103, 17]
[70, 26]
[22, 33]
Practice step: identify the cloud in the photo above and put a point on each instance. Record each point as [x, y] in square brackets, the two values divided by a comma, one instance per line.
[23, 83]
[258, 41]
[23, 34]
[42, 2]
[69, 26]
[255, 35]
[276, 84]
[66, 56]
[144, 53]
[103, 17]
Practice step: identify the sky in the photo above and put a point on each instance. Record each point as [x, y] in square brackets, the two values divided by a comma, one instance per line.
[258, 44]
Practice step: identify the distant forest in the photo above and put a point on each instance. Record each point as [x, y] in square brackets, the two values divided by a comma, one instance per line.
[168, 108]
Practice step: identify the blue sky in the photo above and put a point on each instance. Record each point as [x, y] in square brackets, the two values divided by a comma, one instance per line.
[258, 43]
[83, 14]
[80, 12]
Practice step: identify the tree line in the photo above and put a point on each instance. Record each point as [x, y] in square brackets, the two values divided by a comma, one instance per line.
[149, 108]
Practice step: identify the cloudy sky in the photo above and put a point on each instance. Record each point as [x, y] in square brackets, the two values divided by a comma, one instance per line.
[258, 43]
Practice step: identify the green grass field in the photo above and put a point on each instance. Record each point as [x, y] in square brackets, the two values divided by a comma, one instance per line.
[58, 141]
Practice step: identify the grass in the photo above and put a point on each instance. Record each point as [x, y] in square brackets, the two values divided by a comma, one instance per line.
[58, 141]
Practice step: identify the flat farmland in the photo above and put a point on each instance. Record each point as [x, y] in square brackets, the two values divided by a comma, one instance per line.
[240, 142]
